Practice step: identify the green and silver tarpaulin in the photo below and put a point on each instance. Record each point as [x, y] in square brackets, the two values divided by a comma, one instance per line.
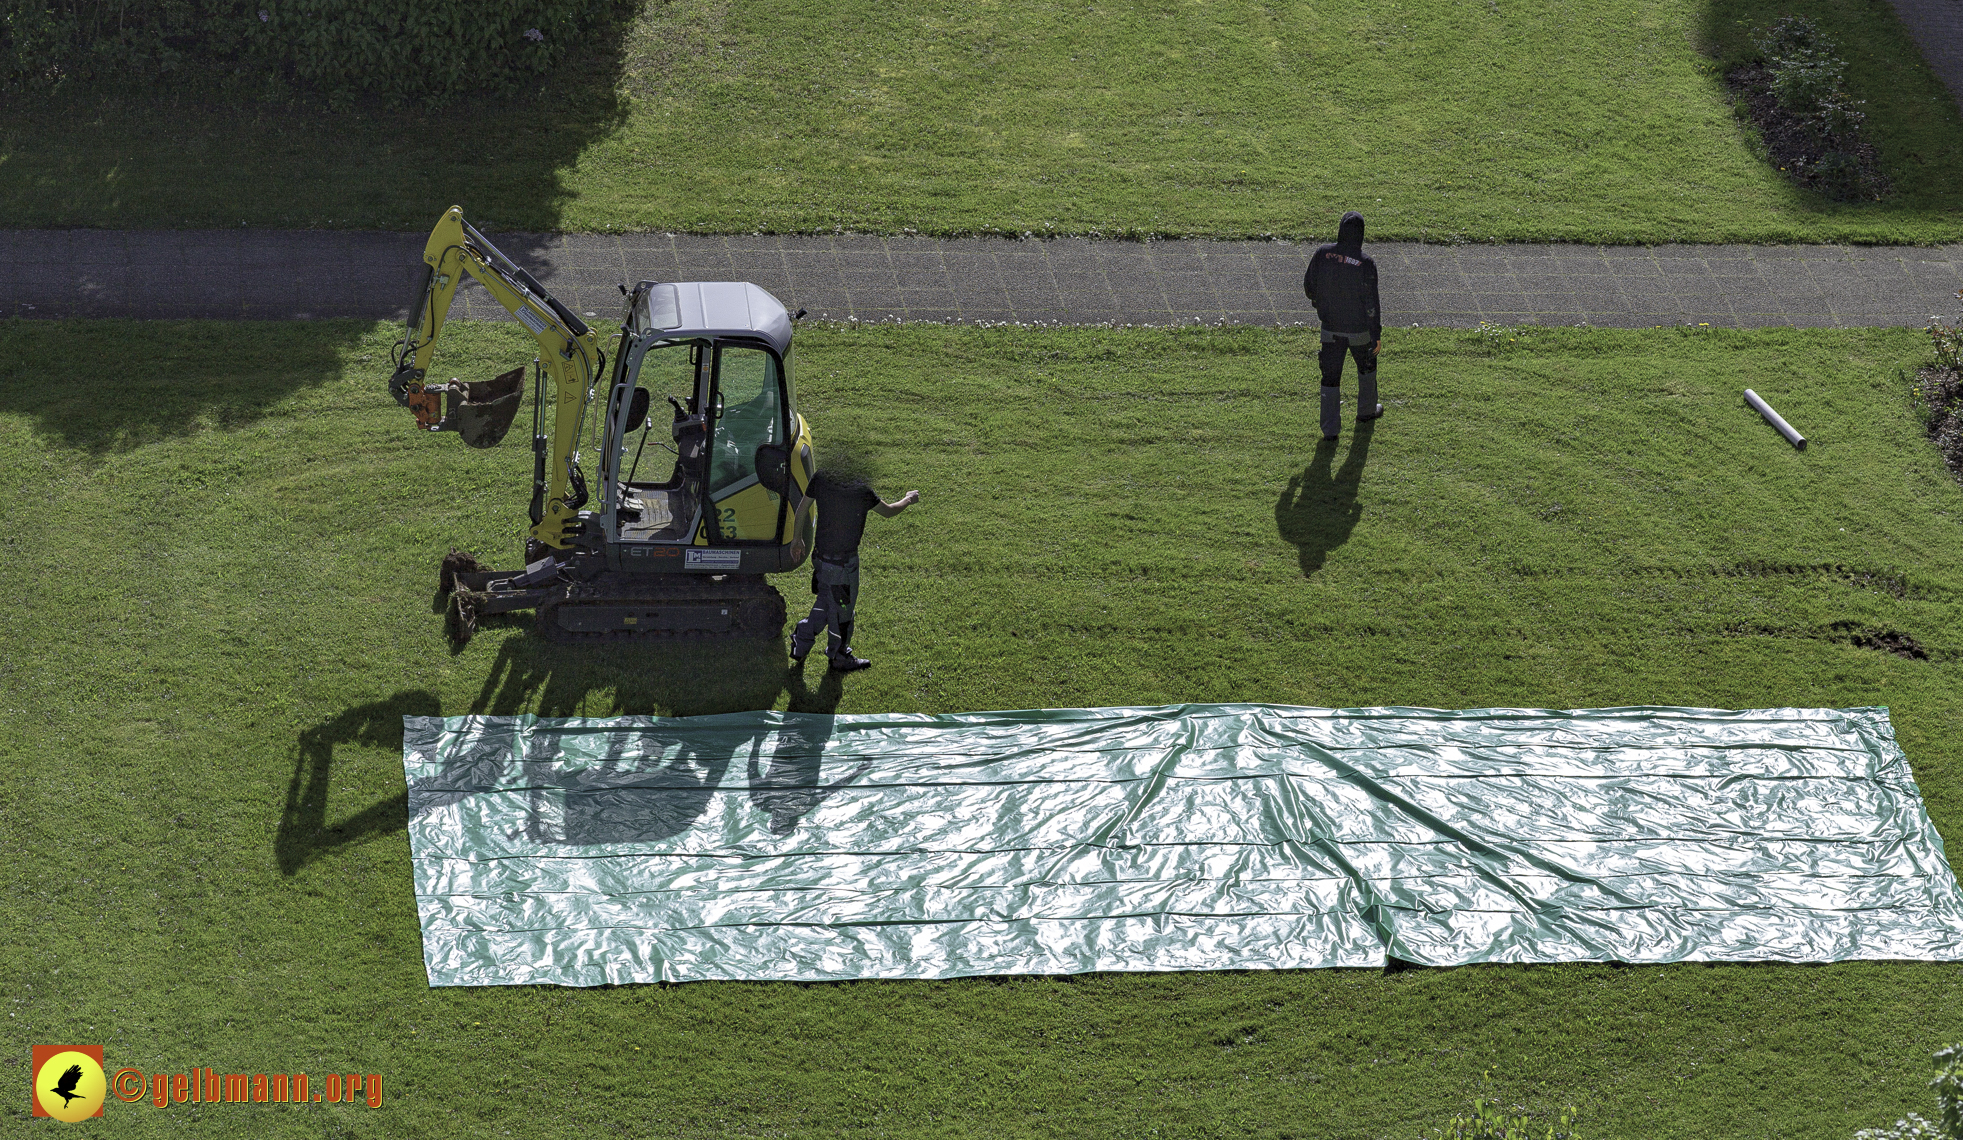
[1199, 837]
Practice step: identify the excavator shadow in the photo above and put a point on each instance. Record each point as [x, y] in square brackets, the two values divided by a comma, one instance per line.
[662, 678]
[304, 834]
[623, 801]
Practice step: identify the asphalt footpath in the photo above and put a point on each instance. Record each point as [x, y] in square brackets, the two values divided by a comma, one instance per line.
[318, 274]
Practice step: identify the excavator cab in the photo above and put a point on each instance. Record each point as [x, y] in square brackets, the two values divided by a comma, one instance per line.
[717, 355]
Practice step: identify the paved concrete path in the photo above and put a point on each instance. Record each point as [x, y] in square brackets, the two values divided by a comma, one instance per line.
[306, 274]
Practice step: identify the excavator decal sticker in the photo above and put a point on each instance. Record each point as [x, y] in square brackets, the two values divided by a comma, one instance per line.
[715, 559]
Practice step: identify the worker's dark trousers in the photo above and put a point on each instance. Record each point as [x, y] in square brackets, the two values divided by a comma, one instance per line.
[1331, 360]
[837, 587]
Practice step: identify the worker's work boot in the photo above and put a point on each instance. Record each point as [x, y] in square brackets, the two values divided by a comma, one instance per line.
[1367, 407]
[1332, 411]
[848, 662]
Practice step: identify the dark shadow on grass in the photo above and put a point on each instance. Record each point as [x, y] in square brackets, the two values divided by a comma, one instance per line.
[625, 800]
[304, 834]
[650, 784]
[186, 155]
[115, 385]
[1319, 509]
[1913, 120]
[666, 678]
[177, 158]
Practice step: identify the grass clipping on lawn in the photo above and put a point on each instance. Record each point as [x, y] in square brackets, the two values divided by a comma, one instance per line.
[222, 543]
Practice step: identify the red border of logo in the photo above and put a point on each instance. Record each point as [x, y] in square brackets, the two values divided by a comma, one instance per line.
[41, 1055]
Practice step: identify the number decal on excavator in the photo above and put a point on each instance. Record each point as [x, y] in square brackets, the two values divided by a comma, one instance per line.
[727, 516]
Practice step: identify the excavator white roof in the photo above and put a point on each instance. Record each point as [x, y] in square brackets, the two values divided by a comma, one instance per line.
[714, 308]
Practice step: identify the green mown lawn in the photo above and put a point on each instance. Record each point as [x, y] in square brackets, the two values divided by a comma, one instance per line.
[1443, 120]
[220, 542]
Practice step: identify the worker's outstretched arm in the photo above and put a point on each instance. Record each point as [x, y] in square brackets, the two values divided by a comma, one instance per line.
[899, 504]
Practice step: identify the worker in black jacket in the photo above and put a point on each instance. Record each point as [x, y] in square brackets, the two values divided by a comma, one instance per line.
[843, 499]
[1342, 284]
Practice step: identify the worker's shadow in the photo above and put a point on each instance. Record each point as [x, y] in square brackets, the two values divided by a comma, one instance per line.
[793, 784]
[1319, 509]
[644, 783]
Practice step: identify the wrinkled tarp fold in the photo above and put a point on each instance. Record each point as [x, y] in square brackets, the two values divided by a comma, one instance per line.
[1198, 837]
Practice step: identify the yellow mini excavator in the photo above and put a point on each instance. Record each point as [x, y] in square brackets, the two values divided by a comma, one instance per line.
[676, 557]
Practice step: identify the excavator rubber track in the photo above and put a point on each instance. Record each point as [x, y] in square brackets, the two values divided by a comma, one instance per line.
[650, 607]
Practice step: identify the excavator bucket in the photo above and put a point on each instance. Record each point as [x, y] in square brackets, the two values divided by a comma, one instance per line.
[481, 411]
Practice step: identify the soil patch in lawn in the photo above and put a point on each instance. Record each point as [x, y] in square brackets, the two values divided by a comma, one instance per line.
[1886, 640]
[1889, 641]
[1844, 168]
[1939, 397]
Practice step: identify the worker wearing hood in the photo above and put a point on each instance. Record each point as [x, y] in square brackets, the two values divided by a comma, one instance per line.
[1342, 284]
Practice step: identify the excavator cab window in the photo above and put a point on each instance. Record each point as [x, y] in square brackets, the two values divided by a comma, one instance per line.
[668, 375]
[746, 411]
[660, 468]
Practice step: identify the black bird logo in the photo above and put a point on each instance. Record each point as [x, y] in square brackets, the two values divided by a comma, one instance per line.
[65, 1087]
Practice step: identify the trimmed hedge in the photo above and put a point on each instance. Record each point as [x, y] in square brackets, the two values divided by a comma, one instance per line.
[402, 50]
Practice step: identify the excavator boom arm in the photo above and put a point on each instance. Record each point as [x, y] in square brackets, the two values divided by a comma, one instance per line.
[569, 354]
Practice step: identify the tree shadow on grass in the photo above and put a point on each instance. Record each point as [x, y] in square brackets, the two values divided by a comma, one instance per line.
[1319, 509]
[104, 387]
[170, 159]
[185, 156]
[640, 790]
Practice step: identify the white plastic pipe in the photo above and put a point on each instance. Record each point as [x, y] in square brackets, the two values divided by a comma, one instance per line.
[1775, 419]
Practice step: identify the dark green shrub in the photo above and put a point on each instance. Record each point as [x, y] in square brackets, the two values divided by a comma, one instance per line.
[1802, 84]
[1790, 36]
[1948, 340]
[1839, 174]
[1808, 77]
[423, 51]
